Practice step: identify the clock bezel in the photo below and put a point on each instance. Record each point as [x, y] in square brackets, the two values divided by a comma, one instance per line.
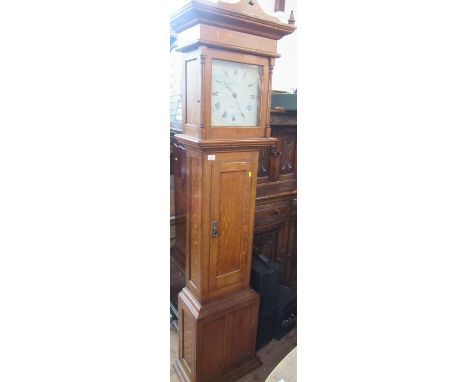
[242, 58]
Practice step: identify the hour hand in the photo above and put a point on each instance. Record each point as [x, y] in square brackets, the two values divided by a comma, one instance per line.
[227, 86]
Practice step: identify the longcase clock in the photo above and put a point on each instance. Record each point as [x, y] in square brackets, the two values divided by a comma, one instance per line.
[228, 58]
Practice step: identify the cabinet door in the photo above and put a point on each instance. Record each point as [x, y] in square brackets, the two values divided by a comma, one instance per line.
[232, 197]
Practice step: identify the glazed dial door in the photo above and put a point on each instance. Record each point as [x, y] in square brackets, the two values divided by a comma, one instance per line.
[235, 94]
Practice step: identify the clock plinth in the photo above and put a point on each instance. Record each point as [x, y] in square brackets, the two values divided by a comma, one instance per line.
[228, 59]
[217, 339]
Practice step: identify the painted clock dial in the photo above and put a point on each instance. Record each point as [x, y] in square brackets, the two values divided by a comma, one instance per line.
[235, 94]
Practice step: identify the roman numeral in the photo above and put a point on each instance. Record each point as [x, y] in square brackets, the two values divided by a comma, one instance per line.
[226, 73]
[215, 93]
[249, 107]
[234, 118]
[224, 115]
[244, 75]
[252, 97]
[217, 105]
[251, 84]
[218, 81]
[243, 116]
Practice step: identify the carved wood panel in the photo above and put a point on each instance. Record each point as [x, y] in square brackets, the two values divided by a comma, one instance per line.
[287, 163]
[264, 165]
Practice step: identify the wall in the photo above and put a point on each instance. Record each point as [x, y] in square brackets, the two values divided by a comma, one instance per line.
[285, 72]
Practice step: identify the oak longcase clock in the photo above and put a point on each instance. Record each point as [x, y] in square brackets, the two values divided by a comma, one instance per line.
[228, 53]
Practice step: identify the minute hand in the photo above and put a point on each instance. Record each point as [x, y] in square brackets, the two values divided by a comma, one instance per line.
[238, 106]
[234, 95]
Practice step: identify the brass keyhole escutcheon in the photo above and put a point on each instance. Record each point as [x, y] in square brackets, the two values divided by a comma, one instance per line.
[214, 228]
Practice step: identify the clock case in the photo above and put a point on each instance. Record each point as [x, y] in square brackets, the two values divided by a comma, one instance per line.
[237, 32]
[197, 95]
[218, 311]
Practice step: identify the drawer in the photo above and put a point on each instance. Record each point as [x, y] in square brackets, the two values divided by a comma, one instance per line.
[271, 211]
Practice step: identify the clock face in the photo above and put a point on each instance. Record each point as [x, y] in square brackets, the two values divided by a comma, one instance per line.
[235, 94]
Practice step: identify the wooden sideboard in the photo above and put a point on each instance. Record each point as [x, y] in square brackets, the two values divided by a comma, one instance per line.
[276, 203]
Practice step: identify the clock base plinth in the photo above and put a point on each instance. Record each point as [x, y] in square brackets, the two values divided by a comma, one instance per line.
[217, 338]
[234, 375]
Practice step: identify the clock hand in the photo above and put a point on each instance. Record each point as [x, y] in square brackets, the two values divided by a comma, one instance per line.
[238, 105]
[228, 86]
[234, 95]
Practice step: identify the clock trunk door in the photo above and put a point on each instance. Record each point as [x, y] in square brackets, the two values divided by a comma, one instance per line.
[231, 198]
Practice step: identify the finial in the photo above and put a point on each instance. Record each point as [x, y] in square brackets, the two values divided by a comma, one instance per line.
[291, 20]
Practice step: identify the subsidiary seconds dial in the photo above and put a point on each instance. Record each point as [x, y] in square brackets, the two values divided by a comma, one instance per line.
[235, 94]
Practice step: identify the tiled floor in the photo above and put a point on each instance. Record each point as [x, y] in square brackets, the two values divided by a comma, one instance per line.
[270, 355]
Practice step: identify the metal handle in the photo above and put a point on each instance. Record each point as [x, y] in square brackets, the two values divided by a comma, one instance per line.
[214, 228]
